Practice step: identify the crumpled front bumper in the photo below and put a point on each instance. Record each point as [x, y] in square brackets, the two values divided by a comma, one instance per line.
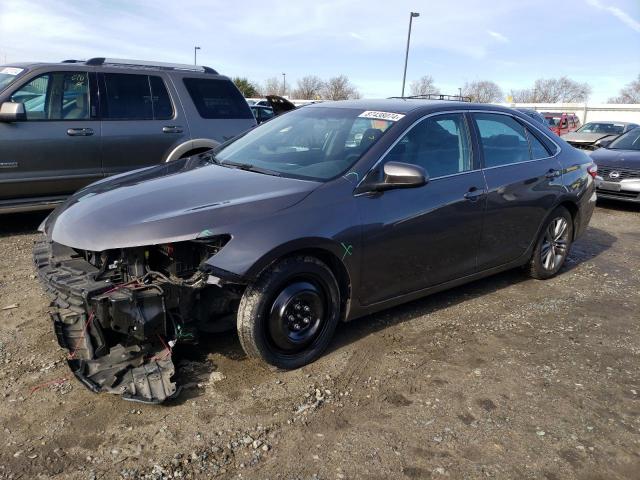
[102, 361]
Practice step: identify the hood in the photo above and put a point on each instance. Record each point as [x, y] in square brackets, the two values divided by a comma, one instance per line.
[617, 158]
[173, 202]
[585, 137]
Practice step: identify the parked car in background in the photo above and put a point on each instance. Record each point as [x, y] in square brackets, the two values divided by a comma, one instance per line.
[328, 213]
[534, 114]
[590, 134]
[262, 113]
[561, 123]
[65, 125]
[618, 164]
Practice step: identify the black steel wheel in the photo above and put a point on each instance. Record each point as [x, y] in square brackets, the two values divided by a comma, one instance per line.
[288, 316]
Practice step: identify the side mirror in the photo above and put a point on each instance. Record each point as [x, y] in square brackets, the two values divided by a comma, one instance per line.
[12, 112]
[603, 143]
[399, 175]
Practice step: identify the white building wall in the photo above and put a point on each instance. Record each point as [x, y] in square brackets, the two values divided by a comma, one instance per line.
[588, 112]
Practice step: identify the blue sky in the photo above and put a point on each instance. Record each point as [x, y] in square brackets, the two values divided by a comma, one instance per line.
[511, 42]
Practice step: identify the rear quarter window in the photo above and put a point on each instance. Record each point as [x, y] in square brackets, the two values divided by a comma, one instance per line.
[217, 99]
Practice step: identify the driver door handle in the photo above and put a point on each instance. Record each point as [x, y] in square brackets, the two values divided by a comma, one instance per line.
[80, 132]
[172, 129]
[474, 194]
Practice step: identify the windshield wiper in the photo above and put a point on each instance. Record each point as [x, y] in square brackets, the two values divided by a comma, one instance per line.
[249, 167]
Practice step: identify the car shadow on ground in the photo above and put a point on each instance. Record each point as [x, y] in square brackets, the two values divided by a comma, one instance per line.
[614, 205]
[21, 223]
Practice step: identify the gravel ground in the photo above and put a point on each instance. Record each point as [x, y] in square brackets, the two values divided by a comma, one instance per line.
[506, 377]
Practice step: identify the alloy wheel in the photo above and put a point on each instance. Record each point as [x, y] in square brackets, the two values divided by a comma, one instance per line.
[555, 244]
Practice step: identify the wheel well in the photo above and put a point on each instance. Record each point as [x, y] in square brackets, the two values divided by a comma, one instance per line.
[337, 268]
[195, 151]
[573, 210]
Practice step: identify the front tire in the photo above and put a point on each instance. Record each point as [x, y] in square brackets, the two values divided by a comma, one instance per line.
[553, 245]
[288, 316]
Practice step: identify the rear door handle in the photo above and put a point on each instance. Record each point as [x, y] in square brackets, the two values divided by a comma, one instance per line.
[552, 173]
[474, 194]
[172, 129]
[80, 132]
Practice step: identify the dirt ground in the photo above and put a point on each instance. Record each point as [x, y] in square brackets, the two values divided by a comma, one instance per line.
[506, 378]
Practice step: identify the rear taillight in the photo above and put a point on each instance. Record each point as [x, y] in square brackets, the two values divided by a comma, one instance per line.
[593, 170]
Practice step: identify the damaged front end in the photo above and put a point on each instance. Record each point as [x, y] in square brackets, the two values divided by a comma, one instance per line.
[121, 312]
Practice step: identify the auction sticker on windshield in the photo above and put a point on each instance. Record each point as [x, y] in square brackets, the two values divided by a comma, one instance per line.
[392, 117]
[11, 70]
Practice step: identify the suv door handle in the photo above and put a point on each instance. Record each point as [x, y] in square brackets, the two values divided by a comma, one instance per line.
[80, 132]
[552, 173]
[172, 129]
[474, 194]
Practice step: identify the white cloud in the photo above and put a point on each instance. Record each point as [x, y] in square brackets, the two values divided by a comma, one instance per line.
[498, 36]
[620, 14]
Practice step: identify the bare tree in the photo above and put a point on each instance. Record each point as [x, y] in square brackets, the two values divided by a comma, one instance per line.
[553, 90]
[273, 86]
[339, 88]
[309, 88]
[629, 94]
[423, 86]
[482, 91]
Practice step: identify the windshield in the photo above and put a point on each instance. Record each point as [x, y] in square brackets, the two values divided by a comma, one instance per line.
[8, 75]
[610, 128]
[628, 141]
[316, 143]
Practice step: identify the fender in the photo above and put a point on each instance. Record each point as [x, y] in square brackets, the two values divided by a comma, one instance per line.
[326, 245]
[193, 144]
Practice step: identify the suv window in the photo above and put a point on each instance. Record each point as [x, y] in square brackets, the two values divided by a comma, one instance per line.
[136, 97]
[217, 98]
[502, 138]
[55, 96]
[439, 144]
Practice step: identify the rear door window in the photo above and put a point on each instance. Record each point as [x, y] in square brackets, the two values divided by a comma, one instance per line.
[538, 150]
[502, 138]
[136, 97]
[128, 97]
[217, 99]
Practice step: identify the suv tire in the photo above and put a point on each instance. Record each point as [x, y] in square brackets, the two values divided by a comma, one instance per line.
[288, 316]
[553, 245]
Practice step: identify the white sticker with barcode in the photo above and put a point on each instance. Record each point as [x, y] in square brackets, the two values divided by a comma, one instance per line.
[11, 70]
[392, 117]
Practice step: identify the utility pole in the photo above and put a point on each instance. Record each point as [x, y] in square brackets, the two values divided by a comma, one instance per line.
[195, 55]
[284, 84]
[406, 55]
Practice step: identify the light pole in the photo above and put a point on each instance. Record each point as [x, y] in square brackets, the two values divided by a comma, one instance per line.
[284, 84]
[460, 93]
[406, 55]
[195, 55]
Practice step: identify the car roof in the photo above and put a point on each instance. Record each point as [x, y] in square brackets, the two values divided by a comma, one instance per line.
[407, 105]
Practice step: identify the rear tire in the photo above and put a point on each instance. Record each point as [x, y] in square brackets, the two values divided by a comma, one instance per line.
[553, 245]
[288, 316]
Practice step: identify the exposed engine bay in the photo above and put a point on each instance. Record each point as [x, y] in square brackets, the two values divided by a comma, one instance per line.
[121, 312]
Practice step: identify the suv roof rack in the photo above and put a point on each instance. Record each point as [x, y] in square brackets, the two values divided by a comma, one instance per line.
[119, 62]
[438, 96]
